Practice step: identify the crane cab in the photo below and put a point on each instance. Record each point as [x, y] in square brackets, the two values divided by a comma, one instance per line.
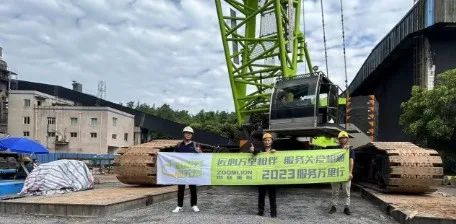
[306, 106]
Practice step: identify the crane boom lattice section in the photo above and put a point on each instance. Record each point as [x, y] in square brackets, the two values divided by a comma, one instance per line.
[262, 41]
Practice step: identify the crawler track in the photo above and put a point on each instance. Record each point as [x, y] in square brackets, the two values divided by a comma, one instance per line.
[136, 164]
[400, 167]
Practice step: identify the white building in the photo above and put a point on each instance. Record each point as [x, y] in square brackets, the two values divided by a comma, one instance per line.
[63, 127]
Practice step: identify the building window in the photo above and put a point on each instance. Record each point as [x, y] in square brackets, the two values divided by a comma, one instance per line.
[38, 103]
[51, 134]
[93, 121]
[74, 121]
[27, 103]
[114, 121]
[26, 120]
[26, 133]
[74, 134]
[114, 136]
[126, 137]
[51, 120]
[93, 135]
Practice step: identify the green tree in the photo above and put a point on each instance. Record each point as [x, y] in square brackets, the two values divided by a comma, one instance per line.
[218, 122]
[166, 112]
[130, 104]
[430, 115]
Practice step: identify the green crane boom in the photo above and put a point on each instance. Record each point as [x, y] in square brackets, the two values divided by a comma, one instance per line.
[257, 55]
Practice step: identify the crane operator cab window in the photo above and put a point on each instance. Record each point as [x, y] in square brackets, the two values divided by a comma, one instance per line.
[328, 103]
[304, 102]
[294, 99]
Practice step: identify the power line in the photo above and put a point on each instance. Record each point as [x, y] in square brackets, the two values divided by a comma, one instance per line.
[343, 43]
[101, 94]
[101, 89]
[324, 36]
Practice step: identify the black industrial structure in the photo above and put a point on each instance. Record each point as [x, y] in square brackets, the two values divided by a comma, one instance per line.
[148, 123]
[7, 82]
[420, 46]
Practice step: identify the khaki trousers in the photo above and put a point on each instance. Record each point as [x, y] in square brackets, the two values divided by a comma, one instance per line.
[345, 191]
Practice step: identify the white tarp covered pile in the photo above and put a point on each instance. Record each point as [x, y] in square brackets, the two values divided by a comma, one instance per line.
[58, 177]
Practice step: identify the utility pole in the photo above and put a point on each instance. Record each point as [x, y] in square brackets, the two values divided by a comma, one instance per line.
[101, 94]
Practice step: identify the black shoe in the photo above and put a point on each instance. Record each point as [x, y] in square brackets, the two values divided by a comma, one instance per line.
[260, 213]
[332, 210]
[273, 214]
[347, 211]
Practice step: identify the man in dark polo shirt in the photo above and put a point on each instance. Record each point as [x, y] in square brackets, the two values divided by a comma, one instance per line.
[344, 145]
[187, 146]
[262, 189]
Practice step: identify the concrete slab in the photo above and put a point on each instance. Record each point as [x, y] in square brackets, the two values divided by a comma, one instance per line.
[438, 207]
[91, 203]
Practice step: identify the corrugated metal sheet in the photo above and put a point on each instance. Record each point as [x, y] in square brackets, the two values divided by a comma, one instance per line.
[423, 14]
[445, 11]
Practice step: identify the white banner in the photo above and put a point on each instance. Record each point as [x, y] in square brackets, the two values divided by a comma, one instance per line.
[184, 168]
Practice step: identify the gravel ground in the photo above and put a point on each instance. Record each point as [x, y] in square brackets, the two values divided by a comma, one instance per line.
[236, 205]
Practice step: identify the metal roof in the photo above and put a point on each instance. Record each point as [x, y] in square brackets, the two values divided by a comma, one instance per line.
[166, 127]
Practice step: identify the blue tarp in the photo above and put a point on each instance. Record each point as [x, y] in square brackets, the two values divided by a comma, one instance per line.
[22, 145]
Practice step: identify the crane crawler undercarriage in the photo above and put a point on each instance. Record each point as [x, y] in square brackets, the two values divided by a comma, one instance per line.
[398, 167]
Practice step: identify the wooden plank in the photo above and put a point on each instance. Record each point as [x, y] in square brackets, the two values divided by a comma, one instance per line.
[428, 208]
[103, 196]
[90, 203]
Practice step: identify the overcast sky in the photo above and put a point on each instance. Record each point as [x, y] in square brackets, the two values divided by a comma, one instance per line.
[165, 51]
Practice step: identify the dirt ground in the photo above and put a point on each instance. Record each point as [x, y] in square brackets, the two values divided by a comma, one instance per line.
[441, 203]
[296, 204]
[236, 205]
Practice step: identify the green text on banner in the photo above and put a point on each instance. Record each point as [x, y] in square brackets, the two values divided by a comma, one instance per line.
[287, 167]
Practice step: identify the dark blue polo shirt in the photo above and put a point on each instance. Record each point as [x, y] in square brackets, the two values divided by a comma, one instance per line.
[351, 152]
[189, 148]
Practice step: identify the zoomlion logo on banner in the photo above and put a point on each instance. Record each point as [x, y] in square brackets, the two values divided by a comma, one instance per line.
[183, 169]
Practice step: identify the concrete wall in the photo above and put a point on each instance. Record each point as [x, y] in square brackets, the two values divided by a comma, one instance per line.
[17, 110]
[123, 125]
[82, 126]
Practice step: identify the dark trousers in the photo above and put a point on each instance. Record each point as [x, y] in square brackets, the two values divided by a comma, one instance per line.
[180, 195]
[272, 198]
